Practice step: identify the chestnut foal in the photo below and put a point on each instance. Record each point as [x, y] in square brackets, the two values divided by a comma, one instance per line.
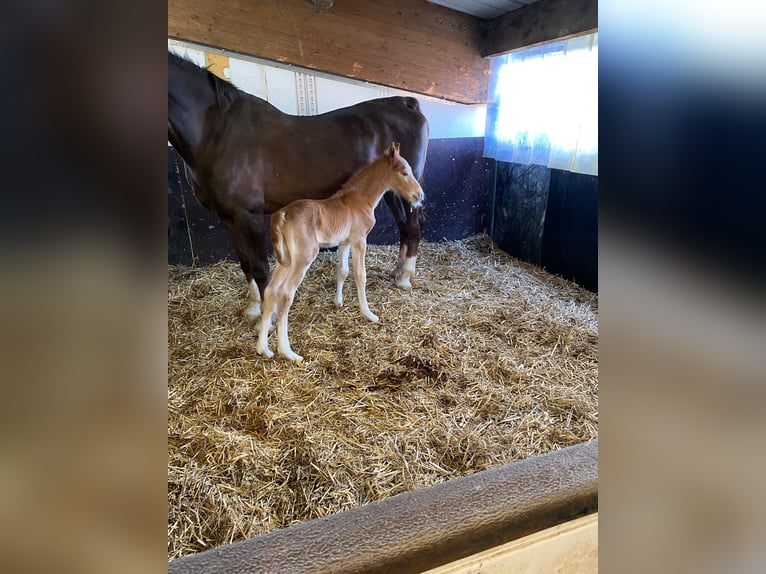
[344, 219]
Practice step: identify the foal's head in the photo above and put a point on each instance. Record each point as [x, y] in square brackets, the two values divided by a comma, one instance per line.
[402, 181]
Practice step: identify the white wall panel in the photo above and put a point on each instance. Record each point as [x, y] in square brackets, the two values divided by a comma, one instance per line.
[192, 54]
[280, 86]
[249, 76]
[333, 94]
[297, 91]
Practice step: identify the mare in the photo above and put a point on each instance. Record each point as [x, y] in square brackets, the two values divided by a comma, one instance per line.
[245, 158]
[344, 220]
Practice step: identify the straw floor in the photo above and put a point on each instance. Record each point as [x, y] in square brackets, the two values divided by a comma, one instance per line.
[486, 361]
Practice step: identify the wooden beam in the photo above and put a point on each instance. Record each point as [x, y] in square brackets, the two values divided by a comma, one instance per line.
[539, 23]
[407, 44]
[419, 530]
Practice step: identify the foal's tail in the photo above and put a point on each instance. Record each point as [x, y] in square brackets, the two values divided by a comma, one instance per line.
[278, 238]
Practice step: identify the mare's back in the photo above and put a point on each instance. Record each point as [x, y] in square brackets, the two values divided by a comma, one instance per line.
[292, 157]
[363, 130]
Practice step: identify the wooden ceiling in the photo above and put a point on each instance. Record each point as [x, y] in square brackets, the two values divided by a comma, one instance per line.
[484, 9]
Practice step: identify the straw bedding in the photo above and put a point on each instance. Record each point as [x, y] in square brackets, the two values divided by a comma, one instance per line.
[486, 361]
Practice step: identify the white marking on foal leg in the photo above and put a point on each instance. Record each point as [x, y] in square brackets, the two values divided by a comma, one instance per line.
[269, 310]
[360, 276]
[408, 270]
[342, 272]
[282, 337]
[262, 347]
[285, 296]
[253, 310]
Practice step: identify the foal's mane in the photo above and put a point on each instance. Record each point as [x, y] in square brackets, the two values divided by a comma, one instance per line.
[226, 93]
[352, 184]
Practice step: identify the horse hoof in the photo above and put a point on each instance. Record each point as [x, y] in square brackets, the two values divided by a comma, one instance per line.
[253, 312]
[295, 358]
[404, 283]
[268, 353]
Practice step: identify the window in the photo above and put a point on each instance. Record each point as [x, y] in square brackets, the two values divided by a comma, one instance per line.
[543, 106]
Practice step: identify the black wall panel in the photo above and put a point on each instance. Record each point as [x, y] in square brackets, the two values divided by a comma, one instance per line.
[549, 218]
[206, 239]
[179, 241]
[519, 210]
[570, 241]
[543, 216]
[456, 182]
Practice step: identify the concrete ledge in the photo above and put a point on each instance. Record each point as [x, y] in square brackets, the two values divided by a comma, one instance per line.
[419, 530]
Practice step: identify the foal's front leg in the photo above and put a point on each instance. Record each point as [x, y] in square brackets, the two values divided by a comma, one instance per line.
[358, 250]
[342, 273]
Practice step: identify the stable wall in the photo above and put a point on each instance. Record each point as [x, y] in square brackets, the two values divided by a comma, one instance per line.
[547, 217]
[543, 216]
[407, 44]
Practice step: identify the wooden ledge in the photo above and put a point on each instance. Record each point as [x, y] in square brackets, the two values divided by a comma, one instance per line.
[419, 530]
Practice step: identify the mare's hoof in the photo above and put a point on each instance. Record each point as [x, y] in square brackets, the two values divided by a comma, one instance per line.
[404, 283]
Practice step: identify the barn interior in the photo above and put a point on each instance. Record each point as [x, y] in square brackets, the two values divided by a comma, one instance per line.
[490, 360]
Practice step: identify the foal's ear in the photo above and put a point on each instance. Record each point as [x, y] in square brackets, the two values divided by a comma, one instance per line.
[393, 149]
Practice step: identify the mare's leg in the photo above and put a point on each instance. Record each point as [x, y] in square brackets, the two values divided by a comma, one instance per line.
[269, 307]
[342, 273]
[358, 250]
[253, 310]
[415, 223]
[251, 227]
[395, 203]
[409, 220]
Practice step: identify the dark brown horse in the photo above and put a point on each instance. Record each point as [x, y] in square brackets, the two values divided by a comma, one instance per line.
[245, 158]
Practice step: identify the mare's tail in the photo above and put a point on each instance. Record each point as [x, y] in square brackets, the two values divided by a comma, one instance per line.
[278, 238]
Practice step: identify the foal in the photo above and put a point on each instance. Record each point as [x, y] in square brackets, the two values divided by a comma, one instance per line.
[344, 219]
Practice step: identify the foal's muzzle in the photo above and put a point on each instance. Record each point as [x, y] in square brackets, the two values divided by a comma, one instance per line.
[419, 201]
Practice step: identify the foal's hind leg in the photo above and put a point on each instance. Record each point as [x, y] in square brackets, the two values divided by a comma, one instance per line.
[269, 307]
[285, 296]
